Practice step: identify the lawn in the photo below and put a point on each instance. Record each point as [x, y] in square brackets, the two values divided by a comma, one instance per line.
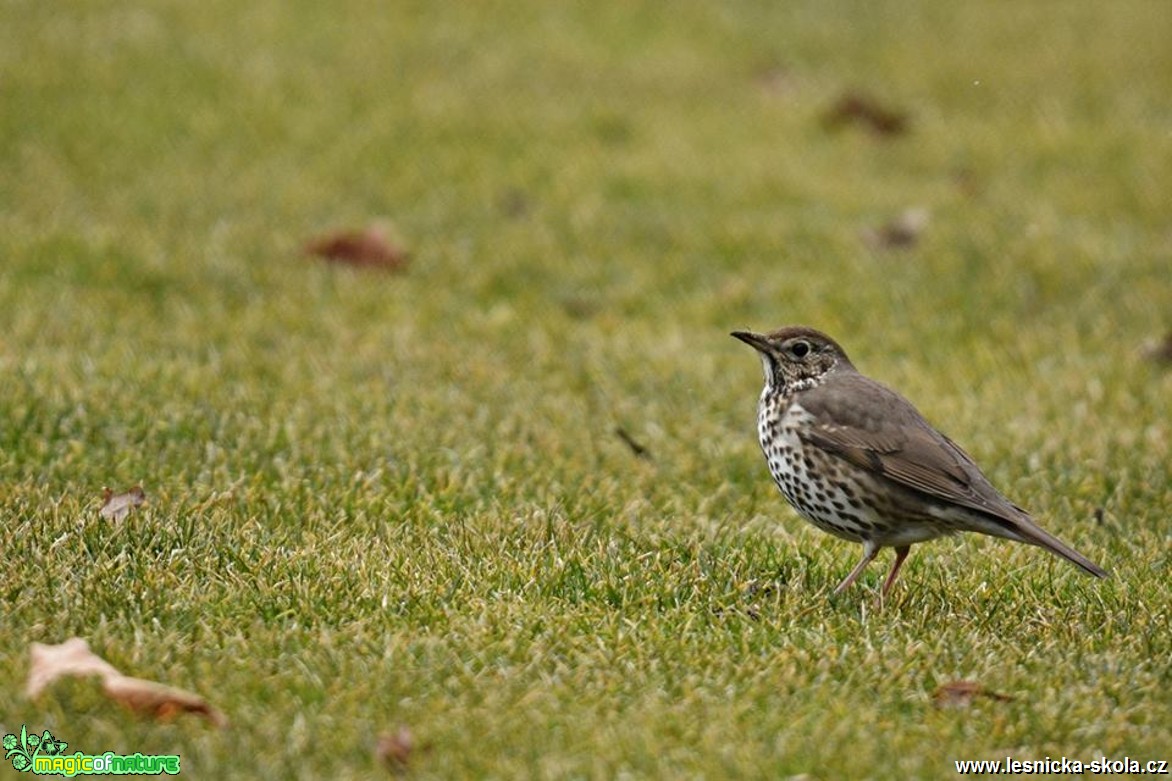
[382, 501]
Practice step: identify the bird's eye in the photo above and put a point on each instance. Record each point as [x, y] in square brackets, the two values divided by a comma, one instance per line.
[799, 349]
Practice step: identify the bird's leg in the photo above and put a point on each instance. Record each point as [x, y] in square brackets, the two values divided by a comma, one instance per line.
[900, 554]
[870, 551]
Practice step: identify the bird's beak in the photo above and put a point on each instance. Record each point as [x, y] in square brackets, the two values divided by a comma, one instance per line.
[756, 341]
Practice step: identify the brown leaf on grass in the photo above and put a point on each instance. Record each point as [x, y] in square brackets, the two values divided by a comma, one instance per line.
[579, 307]
[901, 232]
[395, 749]
[370, 248]
[862, 110]
[73, 658]
[1159, 351]
[967, 181]
[776, 79]
[514, 203]
[960, 694]
[639, 450]
[115, 507]
[159, 700]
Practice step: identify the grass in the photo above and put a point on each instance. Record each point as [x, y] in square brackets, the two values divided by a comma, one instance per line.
[400, 500]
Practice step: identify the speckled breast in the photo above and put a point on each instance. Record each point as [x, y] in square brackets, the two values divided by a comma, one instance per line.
[818, 485]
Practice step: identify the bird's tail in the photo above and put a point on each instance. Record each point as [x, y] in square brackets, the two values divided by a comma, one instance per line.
[1024, 529]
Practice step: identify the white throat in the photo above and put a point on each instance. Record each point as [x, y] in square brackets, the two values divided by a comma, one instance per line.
[766, 368]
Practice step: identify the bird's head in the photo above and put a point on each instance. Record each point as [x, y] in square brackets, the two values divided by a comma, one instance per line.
[795, 358]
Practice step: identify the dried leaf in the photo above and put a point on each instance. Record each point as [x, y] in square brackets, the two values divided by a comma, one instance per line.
[115, 507]
[1160, 351]
[960, 694]
[903, 231]
[371, 248]
[967, 182]
[636, 448]
[71, 658]
[159, 700]
[776, 80]
[579, 308]
[857, 108]
[514, 203]
[395, 749]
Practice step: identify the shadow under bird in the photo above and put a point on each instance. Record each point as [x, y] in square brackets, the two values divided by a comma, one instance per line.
[858, 461]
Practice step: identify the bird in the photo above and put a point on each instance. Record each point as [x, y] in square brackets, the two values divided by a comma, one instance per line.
[858, 460]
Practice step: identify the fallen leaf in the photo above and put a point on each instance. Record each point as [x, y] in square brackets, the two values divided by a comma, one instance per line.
[159, 700]
[71, 658]
[857, 108]
[514, 203]
[371, 248]
[636, 448]
[960, 694]
[579, 308]
[776, 80]
[1160, 351]
[903, 231]
[395, 749]
[115, 507]
[967, 182]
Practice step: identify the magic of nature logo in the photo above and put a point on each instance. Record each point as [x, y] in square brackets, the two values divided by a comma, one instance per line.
[45, 755]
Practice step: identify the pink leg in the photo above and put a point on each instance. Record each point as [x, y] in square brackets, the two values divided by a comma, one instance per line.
[870, 551]
[900, 554]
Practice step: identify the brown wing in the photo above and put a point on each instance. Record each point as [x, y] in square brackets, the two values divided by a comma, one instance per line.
[875, 428]
[878, 430]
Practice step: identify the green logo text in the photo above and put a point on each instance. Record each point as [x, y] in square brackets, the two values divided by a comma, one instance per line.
[45, 755]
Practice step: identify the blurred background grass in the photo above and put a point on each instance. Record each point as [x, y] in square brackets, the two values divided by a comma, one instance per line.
[399, 499]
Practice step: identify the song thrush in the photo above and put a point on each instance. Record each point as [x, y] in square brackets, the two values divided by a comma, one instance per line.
[857, 460]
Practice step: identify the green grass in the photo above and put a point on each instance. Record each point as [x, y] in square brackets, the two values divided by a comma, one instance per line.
[399, 500]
